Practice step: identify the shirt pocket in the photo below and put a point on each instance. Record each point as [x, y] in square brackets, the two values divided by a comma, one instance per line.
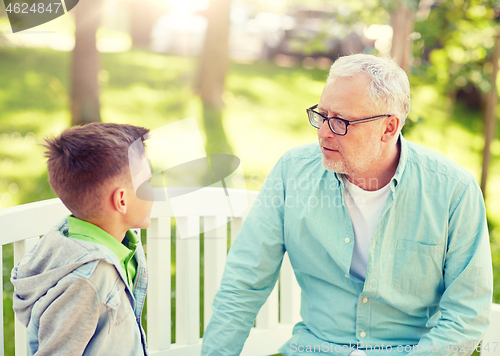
[118, 304]
[417, 267]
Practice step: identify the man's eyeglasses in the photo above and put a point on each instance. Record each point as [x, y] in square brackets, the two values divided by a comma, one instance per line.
[336, 124]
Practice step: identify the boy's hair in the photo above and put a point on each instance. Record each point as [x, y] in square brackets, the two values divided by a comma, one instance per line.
[84, 159]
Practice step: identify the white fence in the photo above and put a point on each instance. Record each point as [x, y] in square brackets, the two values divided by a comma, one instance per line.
[23, 225]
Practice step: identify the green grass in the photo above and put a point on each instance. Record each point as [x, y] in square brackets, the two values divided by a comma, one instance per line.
[264, 117]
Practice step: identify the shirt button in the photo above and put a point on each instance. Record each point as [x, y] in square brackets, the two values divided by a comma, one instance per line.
[362, 334]
[365, 300]
[358, 353]
[347, 240]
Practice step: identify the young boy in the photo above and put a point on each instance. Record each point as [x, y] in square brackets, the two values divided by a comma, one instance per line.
[81, 290]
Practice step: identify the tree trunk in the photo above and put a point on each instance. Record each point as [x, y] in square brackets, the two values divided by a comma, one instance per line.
[212, 75]
[403, 24]
[85, 105]
[143, 15]
[489, 114]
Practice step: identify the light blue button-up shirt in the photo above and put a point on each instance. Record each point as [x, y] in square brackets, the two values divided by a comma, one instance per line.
[429, 276]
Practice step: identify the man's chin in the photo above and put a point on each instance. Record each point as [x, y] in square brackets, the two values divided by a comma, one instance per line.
[334, 166]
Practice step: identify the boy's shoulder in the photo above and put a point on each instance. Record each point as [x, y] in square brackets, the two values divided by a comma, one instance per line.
[55, 256]
[55, 250]
[77, 287]
[60, 261]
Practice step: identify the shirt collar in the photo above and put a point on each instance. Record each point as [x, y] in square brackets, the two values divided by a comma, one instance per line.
[403, 158]
[98, 235]
[130, 240]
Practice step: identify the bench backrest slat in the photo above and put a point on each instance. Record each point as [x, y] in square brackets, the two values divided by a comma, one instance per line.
[159, 285]
[187, 271]
[215, 251]
[2, 346]
[33, 219]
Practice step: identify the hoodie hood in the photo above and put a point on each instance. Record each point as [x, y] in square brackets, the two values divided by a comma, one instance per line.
[54, 257]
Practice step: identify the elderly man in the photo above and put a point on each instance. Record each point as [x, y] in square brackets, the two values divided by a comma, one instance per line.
[388, 240]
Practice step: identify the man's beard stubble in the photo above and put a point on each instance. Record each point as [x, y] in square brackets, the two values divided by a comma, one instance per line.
[351, 166]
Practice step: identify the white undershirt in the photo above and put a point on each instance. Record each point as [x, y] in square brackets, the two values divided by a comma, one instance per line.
[364, 209]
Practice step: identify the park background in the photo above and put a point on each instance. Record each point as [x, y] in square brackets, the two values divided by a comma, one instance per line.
[247, 70]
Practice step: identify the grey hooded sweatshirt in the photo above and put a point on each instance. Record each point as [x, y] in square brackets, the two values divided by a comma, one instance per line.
[72, 297]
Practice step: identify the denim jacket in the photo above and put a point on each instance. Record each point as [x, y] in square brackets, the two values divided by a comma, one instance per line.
[73, 298]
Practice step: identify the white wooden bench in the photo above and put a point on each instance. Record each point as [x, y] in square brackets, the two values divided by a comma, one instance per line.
[23, 225]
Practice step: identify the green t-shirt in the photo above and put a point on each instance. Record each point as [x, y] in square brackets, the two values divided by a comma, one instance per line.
[125, 250]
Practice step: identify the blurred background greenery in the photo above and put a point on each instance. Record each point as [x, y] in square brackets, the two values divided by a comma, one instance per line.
[247, 70]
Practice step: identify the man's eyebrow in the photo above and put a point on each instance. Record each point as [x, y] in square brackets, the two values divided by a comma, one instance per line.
[325, 112]
[320, 109]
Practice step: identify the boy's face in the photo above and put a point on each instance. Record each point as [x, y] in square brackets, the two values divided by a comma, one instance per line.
[138, 211]
[140, 200]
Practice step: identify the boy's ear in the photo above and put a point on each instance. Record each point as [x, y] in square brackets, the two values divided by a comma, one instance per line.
[119, 200]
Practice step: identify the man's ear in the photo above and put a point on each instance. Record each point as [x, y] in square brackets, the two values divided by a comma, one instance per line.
[391, 128]
[119, 200]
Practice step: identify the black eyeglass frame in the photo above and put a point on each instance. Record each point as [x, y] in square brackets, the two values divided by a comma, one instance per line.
[311, 110]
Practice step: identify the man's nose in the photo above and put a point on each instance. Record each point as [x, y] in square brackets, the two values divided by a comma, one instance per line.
[324, 130]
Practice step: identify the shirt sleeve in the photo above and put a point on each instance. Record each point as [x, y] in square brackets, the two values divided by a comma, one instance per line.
[69, 321]
[468, 278]
[251, 271]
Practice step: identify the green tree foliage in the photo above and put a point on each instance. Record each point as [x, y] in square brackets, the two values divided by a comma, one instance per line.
[455, 40]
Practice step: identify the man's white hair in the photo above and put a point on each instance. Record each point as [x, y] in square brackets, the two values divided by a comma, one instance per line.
[389, 90]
